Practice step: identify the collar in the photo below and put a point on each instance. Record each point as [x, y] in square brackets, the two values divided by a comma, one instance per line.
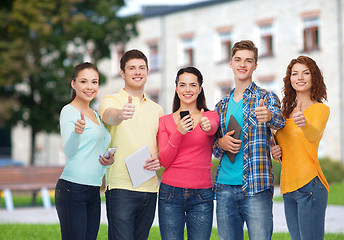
[126, 95]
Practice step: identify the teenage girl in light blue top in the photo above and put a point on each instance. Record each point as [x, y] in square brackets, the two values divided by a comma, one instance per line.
[85, 140]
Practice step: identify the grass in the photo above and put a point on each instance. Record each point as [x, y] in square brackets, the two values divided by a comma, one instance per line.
[335, 196]
[52, 231]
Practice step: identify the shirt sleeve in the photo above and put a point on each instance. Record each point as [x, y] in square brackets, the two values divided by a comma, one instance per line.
[109, 101]
[217, 151]
[316, 123]
[168, 144]
[273, 104]
[70, 139]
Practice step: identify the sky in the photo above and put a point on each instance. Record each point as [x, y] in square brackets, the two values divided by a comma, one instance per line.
[134, 6]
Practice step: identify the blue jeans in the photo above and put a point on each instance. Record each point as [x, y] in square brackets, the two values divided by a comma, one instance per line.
[178, 206]
[78, 209]
[233, 208]
[130, 214]
[305, 211]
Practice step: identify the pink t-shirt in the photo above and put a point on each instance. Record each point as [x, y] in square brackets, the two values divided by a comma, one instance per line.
[187, 158]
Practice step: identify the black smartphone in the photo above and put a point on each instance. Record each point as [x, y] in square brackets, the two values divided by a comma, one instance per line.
[183, 114]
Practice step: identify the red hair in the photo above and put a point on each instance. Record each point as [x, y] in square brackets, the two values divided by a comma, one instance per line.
[318, 89]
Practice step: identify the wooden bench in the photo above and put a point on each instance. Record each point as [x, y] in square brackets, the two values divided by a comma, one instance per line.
[32, 178]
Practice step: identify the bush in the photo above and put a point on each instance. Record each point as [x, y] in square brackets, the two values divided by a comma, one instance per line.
[333, 170]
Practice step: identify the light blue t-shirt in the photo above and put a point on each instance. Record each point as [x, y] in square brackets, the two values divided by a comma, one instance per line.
[82, 150]
[232, 173]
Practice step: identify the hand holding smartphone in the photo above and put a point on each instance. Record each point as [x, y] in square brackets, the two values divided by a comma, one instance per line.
[109, 152]
[183, 114]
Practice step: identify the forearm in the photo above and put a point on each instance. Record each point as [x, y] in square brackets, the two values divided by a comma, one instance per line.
[168, 148]
[312, 131]
[71, 144]
[112, 116]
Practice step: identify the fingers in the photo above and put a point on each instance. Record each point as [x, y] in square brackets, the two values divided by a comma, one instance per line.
[298, 117]
[152, 164]
[230, 144]
[263, 114]
[261, 102]
[204, 122]
[80, 124]
[202, 111]
[106, 161]
[276, 152]
[299, 106]
[185, 124]
[128, 109]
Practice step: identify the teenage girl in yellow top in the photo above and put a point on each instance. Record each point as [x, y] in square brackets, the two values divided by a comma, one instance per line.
[303, 184]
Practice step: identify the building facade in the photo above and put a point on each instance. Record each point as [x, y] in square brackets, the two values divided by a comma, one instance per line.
[201, 34]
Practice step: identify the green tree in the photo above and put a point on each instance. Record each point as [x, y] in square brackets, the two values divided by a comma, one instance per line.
[39, 46]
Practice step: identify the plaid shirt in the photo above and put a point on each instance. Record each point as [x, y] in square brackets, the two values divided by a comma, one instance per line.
[257, 168]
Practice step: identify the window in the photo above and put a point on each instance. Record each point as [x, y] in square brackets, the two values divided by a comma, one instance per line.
[268, 82]
[153, 95]
[188, 51]
[266, 45]
[226, 45]
[154, 62]
[311, 34]
[225, 87]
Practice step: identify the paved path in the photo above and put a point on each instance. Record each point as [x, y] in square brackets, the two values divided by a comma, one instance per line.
[334, 217]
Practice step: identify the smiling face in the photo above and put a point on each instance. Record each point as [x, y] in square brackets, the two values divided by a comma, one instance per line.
[86, 84]
[243, 64]
[135, 75]
[301, 78]
[188, 89]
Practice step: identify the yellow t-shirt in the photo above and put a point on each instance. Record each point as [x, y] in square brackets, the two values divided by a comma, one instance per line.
[131, 135]
[299, 146]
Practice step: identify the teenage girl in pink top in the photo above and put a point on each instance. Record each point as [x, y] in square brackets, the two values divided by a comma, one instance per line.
[185, 150]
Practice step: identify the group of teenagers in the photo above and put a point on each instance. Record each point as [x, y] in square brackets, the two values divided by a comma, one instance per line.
[184, 146]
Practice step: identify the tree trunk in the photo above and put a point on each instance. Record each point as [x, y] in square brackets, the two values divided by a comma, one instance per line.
[33, 141]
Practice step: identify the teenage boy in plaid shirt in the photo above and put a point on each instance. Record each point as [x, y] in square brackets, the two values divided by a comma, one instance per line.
[244, 188]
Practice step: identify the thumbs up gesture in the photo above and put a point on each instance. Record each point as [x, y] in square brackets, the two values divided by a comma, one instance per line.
[128, 109]
[204, 122]
[298, 117]
[80, 124]
[263, 114]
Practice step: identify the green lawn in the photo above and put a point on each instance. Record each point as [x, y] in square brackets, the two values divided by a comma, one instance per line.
[335, 196]
[52, 231]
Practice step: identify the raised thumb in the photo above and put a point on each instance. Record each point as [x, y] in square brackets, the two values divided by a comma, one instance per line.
[202, 111]
[130, 99]
[82, 115]
[299, 106]
[261, 103]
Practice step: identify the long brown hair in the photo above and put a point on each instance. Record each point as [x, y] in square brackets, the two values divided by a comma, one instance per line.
[318, 89]
[78, 68]
[201, 103]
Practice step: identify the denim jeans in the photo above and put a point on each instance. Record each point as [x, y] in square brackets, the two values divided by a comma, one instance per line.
[130, 214]
[178, 206]
[305, 211]
[233, 208]
[78, 209]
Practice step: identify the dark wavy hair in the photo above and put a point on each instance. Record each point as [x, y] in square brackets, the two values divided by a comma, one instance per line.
[201, 103]
[318, 89]
[78, 68]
